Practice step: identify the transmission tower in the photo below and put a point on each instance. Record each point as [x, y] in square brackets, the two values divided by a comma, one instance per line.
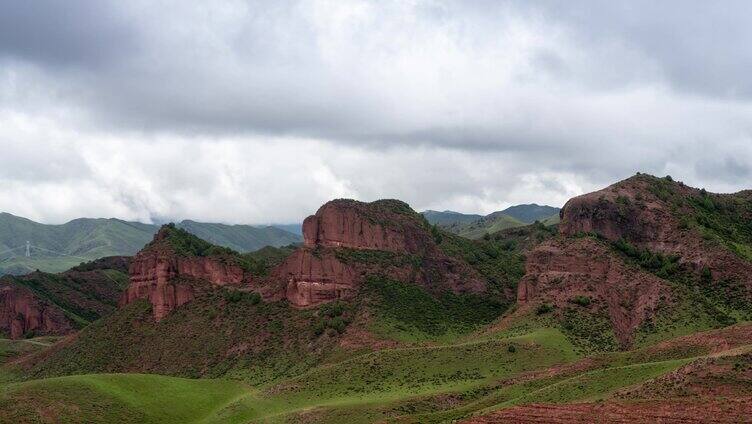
[28, 252]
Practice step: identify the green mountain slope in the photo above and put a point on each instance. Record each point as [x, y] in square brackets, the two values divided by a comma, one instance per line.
[476, 226]
[55, 248]
[449, 217]
[531, 212]
[492, 223]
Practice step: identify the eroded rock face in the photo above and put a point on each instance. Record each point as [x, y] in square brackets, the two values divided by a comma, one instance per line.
[559, 270]
[347, 223]
[315, 274]
[21, 312]
[155, 276]
[631, 211]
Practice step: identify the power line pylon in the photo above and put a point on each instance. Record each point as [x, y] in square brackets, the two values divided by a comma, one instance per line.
[28, 251]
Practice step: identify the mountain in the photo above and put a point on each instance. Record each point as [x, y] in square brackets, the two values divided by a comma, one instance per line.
[243, 238]
[476, 226]
[449, 217]
[531, 212]
[56, 304]
[637, 305]
[296, 229]
[488, 224]
[55, 248]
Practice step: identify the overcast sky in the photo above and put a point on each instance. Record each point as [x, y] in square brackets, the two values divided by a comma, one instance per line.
[259, 112]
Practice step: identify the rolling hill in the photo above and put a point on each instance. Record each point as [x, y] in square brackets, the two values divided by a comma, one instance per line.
[531, 212]
[476, 226]
[56, 248]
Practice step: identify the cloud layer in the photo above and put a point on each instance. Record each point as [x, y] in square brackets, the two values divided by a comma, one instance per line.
[258, 112]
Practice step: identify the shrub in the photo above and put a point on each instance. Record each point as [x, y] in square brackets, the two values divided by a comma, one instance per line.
[581, 300]
[511, 348]
[544, 308]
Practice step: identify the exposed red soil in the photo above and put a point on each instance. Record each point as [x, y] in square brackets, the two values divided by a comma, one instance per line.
[558, 270]
[650, 412]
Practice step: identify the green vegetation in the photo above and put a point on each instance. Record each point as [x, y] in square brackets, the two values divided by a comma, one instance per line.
[381, 258]
[335, 316]
[82, 296]
[532, 212]
[590, 331]
[408, 312]
[495, 258]
[89, 239]
[580, 300]
[121, 398]
[10, 349]
[489, 224]
[701, 303]
[219, 333]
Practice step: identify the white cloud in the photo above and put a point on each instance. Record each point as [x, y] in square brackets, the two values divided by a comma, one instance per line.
[259, 112]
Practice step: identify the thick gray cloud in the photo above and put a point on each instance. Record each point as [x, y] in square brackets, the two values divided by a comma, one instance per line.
[170, 108]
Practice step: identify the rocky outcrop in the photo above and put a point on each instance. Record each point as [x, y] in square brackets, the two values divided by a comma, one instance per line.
[316, 273]
[382, 225]
[23, 313]
[559, 270]
[647, 212]
[159, 277]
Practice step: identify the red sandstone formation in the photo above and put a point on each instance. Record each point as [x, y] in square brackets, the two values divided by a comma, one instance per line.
[559, 270]
[22, 312]
[314, 274]
[631, 210]
[160, 276]
[379, 225]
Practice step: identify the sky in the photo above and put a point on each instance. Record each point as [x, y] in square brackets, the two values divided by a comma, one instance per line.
[258, 112]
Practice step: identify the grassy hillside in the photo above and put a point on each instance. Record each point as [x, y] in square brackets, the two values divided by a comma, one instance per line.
[440, 383]
[531, 212]
[449, 217]
[492, 223]
[56, 248]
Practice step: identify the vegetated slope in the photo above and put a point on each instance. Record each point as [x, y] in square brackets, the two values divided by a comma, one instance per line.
[243, 238]
[499, 221]
[521, 376]
[643, 260]
[209, 311]
[56, 248]
[54, 304]
[476, 226]
[449, 217]
[531, 212]
[492, 223]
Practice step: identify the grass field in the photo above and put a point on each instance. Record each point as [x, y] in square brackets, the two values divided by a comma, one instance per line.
[416, 384]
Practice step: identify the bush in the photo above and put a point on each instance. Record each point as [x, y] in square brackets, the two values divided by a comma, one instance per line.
[511, 348]
[581, 300]
[544, 308]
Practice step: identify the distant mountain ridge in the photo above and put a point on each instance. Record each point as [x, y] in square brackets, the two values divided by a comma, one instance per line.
[476, 226]
[55, 248]
[532, 212]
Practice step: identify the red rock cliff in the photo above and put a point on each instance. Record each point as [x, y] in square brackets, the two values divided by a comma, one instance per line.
[631, 210]
[158, 275]
[316, 274]
[379, 225]
[22, 312]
